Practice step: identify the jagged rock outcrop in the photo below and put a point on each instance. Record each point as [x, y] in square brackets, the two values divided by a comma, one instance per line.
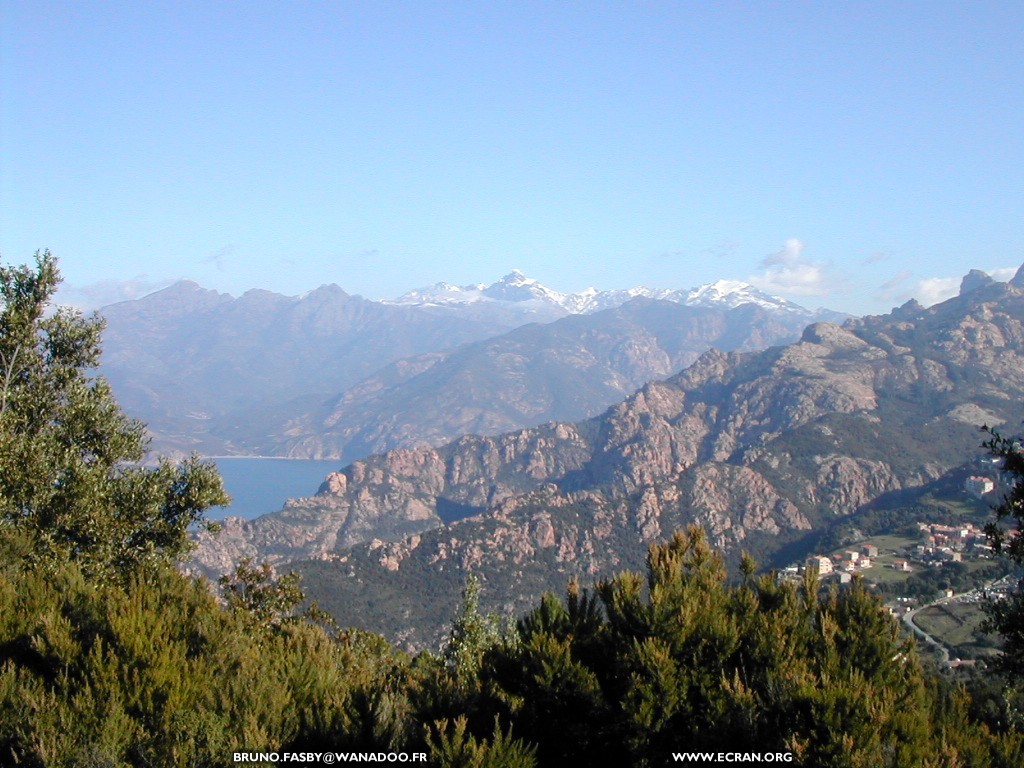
[973, 280]
[404, 492]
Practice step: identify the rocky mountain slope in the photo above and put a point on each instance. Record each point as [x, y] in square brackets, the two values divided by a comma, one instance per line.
[760, 448]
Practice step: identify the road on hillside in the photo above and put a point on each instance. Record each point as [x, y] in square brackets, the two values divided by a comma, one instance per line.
[908, 619]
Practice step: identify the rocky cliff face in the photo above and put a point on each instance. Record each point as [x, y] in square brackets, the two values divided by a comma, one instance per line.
[757, 447]
[748, 444]
[402, 492]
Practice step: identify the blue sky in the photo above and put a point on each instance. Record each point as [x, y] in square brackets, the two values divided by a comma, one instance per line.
[840, 154]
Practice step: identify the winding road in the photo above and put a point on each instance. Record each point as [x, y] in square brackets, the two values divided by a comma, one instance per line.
[908, 619]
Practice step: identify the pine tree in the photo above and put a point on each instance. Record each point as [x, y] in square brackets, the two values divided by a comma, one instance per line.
[686, 661]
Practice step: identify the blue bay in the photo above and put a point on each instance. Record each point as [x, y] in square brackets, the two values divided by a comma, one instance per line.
[261, 485]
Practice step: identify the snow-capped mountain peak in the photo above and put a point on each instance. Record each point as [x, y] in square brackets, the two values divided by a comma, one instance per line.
[516, 289]
[515, 286]
[733, 293]
[440, 294]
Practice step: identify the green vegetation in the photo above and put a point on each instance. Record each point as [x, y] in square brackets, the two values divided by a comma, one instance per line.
[928, 583]
[157, 673]
[633, 671]
[110, 656]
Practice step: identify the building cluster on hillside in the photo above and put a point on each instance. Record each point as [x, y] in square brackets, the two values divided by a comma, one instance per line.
[848, 562]
[991, 480]
[948, 543]
[939, 544]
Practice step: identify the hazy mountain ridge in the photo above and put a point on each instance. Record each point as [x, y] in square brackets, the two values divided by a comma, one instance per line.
[759, 446]
[566, 370]
[195, 364]
[265, 374]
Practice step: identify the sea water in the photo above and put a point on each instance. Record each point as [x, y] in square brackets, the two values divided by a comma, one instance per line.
[260, 485]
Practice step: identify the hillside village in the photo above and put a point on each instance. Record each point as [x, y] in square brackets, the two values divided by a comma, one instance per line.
[940, 544]
[936, 544]
[936, 581]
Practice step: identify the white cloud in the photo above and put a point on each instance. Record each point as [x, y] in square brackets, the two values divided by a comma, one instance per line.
[1003, 274]
[789, 271]
[99, 294]
[932, 290]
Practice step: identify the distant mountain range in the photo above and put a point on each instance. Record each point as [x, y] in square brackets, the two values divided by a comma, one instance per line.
[330, 375]
[761, 448]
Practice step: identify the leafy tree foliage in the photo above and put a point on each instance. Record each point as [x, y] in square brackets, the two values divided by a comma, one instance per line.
[450, 693]
[472, 633]
[684, 661]
[254, 593]
[452, 746]
[159, 674]
[1011, 452]
[69, 476]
